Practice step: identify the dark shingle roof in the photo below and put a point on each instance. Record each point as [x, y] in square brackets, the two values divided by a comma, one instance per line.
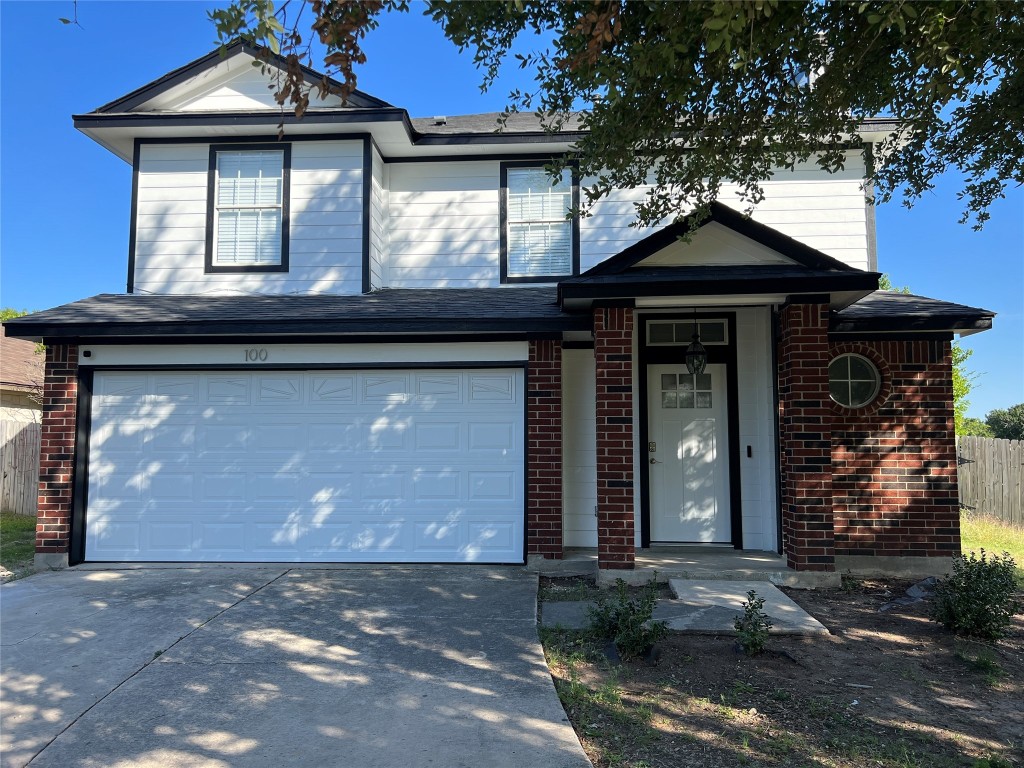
[393, 311]
[489, 122]
[886, 311]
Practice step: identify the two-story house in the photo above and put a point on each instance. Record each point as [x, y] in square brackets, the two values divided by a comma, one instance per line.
[382, 339]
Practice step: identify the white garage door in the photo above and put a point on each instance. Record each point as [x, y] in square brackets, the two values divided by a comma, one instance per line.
[307, 466]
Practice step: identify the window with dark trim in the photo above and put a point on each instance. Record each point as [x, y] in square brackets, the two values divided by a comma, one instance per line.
[539, 239]
[853, 381]
[247, 208]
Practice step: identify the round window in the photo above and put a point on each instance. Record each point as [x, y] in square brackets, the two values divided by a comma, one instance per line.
[853, 381]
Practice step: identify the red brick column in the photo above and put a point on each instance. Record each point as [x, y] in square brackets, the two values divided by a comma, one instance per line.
[613, 355]
[544, 450]
[894, 461]
[805, 438]
[57, 452]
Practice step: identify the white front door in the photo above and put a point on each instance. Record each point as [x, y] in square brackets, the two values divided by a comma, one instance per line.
[689, 466]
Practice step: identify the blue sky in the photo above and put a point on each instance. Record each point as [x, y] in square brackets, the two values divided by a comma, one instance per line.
[64, 200]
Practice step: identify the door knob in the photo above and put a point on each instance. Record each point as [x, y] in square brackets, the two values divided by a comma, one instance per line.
[655, 461]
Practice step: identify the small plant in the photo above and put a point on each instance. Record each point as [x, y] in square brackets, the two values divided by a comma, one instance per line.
[627, 620]
[978, 599]
[753, 625]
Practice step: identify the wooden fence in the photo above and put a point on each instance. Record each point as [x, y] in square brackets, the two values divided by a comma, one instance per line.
[991, 477]
[19, 460]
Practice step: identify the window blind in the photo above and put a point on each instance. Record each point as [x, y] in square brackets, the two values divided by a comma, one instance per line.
[249, 207]
[539, 234]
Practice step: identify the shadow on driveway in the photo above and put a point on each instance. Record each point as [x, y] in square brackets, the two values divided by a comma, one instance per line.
[269, 667]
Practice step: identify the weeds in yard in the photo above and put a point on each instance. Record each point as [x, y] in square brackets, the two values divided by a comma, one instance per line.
[978, 598]
[627, 620]
[981, 660]
[752, 625]
[17, 541]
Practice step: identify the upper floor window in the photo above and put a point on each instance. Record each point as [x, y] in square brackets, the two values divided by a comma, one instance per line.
[539, 240]
[247, 229]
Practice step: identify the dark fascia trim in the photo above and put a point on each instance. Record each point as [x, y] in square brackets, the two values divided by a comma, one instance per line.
[895, 336]
[504, 277]
[134, 216]
[533, 157]
[371, 328]
[806, 298]
[367, 182]
[211, 194]
[80, 468]
[272, 119]
[722, 214]
[162, 84]
[904, 324]
[629, 303]
[850, 281]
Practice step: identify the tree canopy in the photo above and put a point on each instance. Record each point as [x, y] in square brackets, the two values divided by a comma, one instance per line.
[1007, 423]
[721, 91]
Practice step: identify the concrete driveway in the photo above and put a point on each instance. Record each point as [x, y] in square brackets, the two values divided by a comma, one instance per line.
[225, 666]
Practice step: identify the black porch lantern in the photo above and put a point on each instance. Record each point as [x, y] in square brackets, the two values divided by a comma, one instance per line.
[696, 356]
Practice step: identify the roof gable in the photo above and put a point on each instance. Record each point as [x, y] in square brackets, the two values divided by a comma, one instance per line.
[216, 82]
[724, 237]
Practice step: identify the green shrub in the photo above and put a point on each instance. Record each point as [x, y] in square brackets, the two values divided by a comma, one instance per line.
[753, 625]
[978, 599]
[627, 620]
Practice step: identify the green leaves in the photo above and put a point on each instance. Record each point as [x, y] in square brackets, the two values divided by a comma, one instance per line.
[689, 96]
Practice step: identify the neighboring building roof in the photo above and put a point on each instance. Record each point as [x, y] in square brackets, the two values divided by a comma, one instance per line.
[21, 366]
[393, 311]
[894, 312]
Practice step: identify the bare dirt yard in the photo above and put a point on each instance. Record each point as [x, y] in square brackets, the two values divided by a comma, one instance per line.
[890, 689]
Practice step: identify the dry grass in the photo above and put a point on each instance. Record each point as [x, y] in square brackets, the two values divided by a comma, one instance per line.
[993, 535]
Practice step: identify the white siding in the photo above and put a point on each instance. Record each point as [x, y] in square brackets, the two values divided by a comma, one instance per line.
[444, 225]
[325, 223]
[249, 89]
[579, 448]
[378, 220]
[824, 211]
[756, 428]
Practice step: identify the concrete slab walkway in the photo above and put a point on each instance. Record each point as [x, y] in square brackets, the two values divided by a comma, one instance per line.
[703, 607]
[229, 666]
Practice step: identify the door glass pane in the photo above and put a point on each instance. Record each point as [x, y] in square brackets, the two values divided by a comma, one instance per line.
[668, 381]
[703, 399]
[704, 382]
[668, 400]
[686, 399]
[712, 333]
[684, 332]
[686, 383]
[661, 333]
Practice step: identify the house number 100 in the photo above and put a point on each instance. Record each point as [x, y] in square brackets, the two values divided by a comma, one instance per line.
[255, 355]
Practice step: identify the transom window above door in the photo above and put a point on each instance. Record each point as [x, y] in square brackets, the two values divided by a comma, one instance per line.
[686, 390]
[248, 209]
[665, 333]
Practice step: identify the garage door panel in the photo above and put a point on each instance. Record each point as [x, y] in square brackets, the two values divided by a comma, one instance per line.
[404, 466]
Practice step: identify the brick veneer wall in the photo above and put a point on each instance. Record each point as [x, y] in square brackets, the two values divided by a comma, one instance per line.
[805, 439]
[894, 462]
[613, 356]
[57, 450]
[544, 450]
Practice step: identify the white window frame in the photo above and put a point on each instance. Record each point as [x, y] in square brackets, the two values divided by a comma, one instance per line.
[214, 209]
[508, 171]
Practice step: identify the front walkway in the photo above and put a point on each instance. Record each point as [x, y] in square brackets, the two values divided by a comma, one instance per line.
[690, 562]
[205, 666]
